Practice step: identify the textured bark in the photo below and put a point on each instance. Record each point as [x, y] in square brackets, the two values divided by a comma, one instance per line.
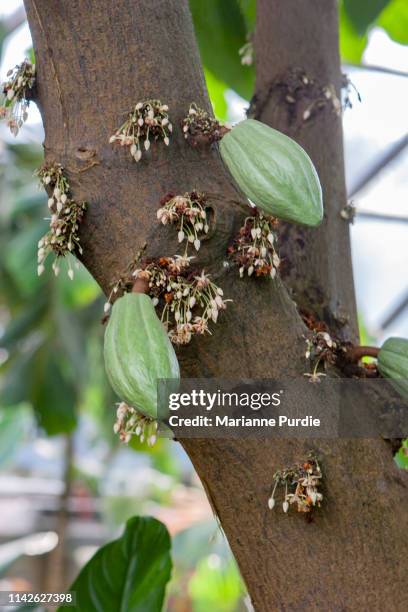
[303, 36]
[96, 58]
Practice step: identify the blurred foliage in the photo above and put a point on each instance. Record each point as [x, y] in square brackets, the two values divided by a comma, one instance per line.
[215, 585]
[401, 457]
[133, 570]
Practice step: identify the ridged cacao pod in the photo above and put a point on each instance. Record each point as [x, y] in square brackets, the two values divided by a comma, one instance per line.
[137, 352]
[393, 363]
[274, 172]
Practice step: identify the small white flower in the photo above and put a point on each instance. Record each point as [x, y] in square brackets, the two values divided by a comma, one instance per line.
[250, 270]
[192, 302]
[40, 269]
[271, 238]
[10, 94]
[71, 274]
[164, 121]
[140, 121]
[241, 271]
[147, 145]
[138, 155]
[271, 503]
[112, 139]
[107, 307]
[64, 198]
[180, 236]
[197, 244]
[57, 192]
[139, 105]
[254, 233]
[47, 180]
[166, 141]
[133, 149]
[155, 301]
[50, 203]
[285, 506]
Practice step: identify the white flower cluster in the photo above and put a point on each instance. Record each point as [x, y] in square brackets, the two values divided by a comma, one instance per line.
[301, 483]
[189, 213]
[130, 422]
[254, 248]
[14, 106]
[148, 121]
[189, 301]
[66, 214]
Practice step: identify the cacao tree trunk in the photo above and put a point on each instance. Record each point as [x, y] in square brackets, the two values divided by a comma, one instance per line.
[95, 60]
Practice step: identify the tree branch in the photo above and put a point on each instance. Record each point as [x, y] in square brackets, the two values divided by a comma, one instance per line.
[107, 56]
[301, 38]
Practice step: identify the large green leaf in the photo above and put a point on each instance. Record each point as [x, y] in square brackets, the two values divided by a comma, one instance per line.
[217, 90]
[352, 45]
[129, 574]
[362, 13]
[394, 20]
[52, 394]
[221, 31]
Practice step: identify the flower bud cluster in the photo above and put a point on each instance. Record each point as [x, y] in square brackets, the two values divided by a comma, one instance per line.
[253, 249]
[15, 104]
[320, 350]
[149, 121]
[189, 214]
[199, 127]
[188, 300]
[246, 53]
[130, 422]
[301, 484]
[66, 215]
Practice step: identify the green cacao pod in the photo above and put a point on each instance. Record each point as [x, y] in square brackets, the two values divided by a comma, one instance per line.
[274, 172]
[393, 363]
[137, 352]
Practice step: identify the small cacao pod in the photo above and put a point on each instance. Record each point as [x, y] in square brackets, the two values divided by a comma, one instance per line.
[137, 352]
[393, 363]
[274, 172]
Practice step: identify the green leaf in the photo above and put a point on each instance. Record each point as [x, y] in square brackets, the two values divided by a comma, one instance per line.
[214, 587]
[248, 9]
[221, 32]
[24, 322]
[402, 456]
[352, 45]
[13, 423]
[362, 13]
[394, 20]
[52, 394]
[216, 90]
[129, 574]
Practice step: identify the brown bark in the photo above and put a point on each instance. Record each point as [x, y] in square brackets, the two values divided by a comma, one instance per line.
[95, 60]
[302, 36]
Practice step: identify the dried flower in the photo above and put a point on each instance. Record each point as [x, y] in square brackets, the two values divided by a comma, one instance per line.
[148, 121]
[66, 215]
[253, 249]
[199, 127]
[15, 104]
[130, 422]
[301, 484]
[189, 213]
